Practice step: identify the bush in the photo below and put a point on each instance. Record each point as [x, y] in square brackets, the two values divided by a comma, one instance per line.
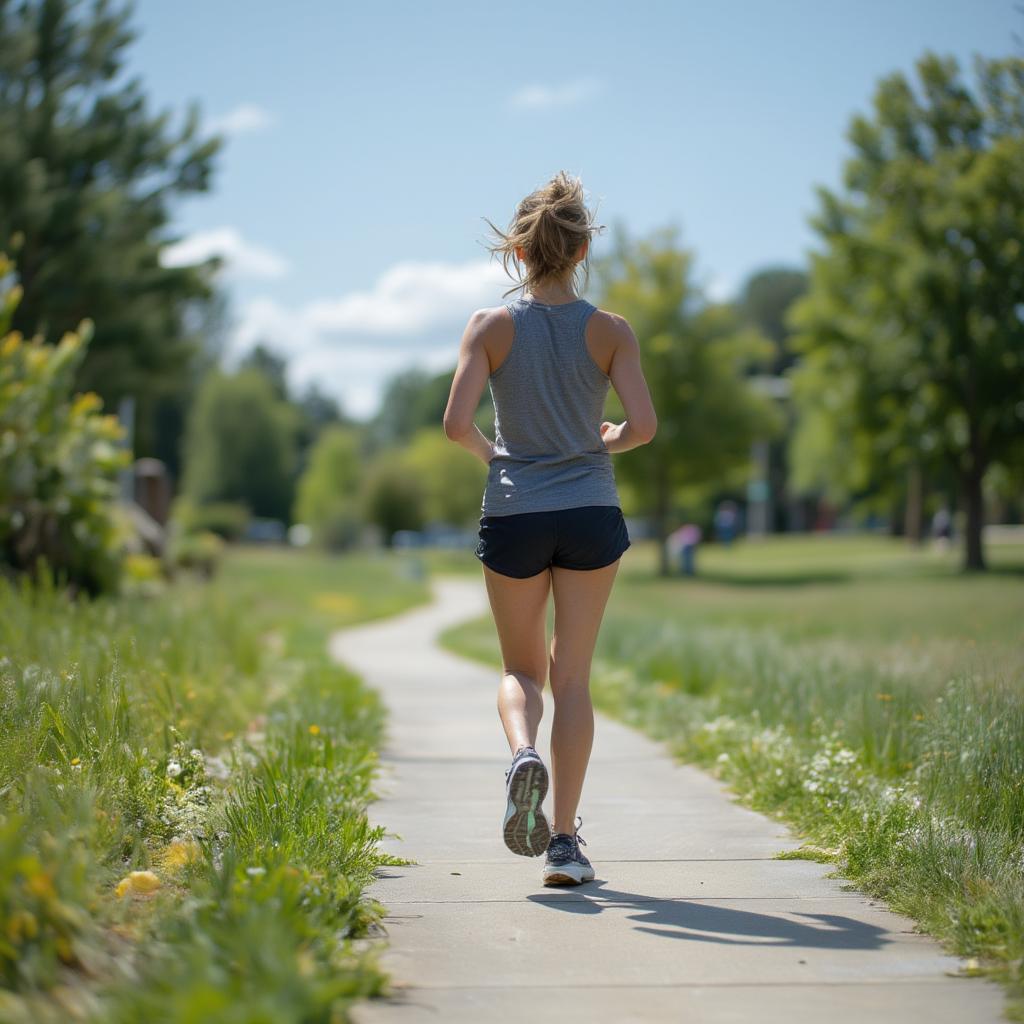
[59, 459]
[227, 519]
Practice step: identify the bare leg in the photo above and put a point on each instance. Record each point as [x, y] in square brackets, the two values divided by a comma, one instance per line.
[580, 599]
[520, 616]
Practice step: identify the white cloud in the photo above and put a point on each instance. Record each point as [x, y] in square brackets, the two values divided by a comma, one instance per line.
[414, 314]
[546, 97]
[242, 258]
[409, 297]
[245, 118]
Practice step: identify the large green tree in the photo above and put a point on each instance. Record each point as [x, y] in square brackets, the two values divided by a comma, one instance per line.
[452, 482]
[913, 330]
[87, 175]
[695, 355]
[328, 499]
[240, 444]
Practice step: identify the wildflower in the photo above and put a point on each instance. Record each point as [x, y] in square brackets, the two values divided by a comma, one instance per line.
[314, 730]
[138, 883]
[75, 760]
[173, 769]
[884, 696]
[179, 853]
[255, 872]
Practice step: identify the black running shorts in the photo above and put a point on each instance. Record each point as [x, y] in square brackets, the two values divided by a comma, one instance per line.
[526, 543]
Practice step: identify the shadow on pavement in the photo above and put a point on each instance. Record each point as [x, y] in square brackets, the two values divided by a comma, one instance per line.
[705, 922]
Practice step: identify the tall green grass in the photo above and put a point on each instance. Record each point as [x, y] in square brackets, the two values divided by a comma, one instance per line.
[201, 738]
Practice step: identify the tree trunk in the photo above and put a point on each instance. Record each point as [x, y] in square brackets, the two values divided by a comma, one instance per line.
[661, 523]
[974, 554]
[913, 513]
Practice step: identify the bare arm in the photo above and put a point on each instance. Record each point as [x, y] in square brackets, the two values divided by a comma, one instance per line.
[467, 386]
[630, 385]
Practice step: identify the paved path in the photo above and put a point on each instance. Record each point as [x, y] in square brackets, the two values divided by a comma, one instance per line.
[689, 918]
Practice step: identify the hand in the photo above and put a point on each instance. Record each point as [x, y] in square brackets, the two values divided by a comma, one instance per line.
[610, 432]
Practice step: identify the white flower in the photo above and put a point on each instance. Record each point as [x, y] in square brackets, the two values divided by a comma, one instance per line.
[173, 769]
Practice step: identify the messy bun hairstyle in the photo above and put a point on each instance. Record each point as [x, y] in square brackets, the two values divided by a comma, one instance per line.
[550, 225]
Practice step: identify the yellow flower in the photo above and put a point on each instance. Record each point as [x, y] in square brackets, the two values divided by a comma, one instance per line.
[22, 924]
[76, 760]
[87, 402]
[41, 884]
[180, 853]
[138, 883]
[314, 730]
[884, 696]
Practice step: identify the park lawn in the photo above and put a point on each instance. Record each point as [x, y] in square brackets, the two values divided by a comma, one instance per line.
[200, 734]
[867, 693]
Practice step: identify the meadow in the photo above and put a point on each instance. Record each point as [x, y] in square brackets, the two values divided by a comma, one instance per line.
[863, 691]
[183, 787]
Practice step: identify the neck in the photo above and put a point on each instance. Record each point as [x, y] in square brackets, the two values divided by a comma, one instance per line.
[552, 294]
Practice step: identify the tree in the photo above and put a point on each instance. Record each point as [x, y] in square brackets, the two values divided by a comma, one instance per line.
[415, 399]
[240, 444]
[328, 498]
[452, 480]
[86, 177]
[913, 330]
[694, 355]
[764, 300]
[392, 497]
[271, 364]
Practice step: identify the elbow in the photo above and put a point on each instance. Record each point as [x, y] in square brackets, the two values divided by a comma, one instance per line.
[645, 431]
[454, 429]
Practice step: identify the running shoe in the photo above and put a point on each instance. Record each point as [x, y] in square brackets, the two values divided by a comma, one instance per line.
[526, 830]
[565, 863]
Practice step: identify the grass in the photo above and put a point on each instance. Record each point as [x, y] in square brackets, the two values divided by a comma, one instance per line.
[183, 788]
[868, 694]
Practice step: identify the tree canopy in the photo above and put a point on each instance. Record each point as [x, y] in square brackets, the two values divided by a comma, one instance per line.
[913, 329]
[87, 177]
[695, 355]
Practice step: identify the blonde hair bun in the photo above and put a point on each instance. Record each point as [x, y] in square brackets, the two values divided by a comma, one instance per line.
[549, 225]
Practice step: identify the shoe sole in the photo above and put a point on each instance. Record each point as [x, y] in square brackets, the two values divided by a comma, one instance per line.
[568, 874]
[526, 829]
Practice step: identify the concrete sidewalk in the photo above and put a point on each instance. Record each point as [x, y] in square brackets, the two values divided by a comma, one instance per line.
[689, 918]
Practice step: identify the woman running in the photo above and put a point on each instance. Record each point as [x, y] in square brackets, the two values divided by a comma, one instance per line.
[551, 518]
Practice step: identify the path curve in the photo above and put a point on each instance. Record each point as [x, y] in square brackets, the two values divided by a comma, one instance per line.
[689, 918]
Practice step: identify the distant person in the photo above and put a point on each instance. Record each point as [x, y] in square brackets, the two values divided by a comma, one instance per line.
[551, 519]
[683, 544]
[942, 527]
[726, 522]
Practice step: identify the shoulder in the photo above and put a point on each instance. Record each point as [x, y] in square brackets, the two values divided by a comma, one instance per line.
[487, 319]
[610, 329]
[491, 323]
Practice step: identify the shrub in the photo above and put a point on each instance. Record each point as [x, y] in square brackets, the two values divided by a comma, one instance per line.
[59, 458]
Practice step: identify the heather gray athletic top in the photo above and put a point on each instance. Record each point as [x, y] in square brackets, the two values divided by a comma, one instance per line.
[548, 405]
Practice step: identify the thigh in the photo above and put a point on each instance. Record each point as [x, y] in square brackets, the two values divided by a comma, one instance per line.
[580, 599]
[520, 608]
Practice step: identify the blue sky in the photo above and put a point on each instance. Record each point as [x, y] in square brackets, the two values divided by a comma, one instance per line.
[367, 142]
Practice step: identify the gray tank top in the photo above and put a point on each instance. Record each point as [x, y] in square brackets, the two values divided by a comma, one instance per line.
[549, 399]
